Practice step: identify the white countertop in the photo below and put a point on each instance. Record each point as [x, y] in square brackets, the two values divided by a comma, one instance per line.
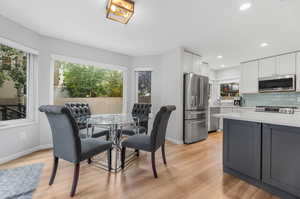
[231, 106]
[263, 117]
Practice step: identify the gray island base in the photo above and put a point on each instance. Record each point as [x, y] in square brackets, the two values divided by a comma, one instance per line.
[265, 155]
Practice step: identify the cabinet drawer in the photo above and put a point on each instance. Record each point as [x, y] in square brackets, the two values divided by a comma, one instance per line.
[195, 130]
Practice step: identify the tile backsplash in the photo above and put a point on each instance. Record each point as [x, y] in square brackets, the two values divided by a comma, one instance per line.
[272, 99]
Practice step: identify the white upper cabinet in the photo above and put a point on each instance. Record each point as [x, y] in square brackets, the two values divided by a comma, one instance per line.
[298, 71]
[197, 64]
[280, 65]
[193, 64]
[249, 77]
[267, 67]
[204, 69]
[187, 62]
[286, 64]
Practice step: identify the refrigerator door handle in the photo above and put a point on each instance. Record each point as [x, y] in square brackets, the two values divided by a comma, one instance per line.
[192, 101]
[198, 122]
[196, 112]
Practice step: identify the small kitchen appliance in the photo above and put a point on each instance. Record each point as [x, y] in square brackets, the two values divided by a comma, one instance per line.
[237, 101]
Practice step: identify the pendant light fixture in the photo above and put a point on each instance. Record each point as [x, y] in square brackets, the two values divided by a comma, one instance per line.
[120, 10]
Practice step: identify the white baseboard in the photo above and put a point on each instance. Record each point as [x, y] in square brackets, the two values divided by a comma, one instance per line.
[46, 146]
[23, 153]
[49, 146]
[19, 154]
[174, 140]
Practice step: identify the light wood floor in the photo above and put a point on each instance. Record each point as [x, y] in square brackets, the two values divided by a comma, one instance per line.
[193, 172]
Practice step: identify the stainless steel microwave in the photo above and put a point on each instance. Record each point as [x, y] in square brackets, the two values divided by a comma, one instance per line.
[277, 83]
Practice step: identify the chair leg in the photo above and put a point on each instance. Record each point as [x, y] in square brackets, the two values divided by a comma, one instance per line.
[75, 179]
[163, 153]
[123, 154]
[89, 161]
[137, 152]
[109, 159]
[54, 169]
[153, 164]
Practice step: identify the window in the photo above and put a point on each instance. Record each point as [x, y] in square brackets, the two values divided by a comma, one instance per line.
[229, 90]
[143, 86]
[101, 88]
[16, 83]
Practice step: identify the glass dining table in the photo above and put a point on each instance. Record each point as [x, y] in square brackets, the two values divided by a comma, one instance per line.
[114, 124]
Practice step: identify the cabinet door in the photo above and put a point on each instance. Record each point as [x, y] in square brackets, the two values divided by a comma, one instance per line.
[214, 122]
[226, 109]
[242, 147]
[286, 64]
[205, 69]
[267, 67]
[281, 159]
[298, 72]
[187, 62]
[196, 64]
[249, 78]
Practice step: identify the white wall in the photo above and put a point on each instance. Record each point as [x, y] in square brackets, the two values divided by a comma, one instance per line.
[52, 46]
[228, 73]
[167, 87]
[172, 91]
[154, 62]
[231, 74]
[18, 141]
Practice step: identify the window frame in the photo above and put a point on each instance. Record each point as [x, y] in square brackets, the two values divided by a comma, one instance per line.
[55, 57]
[32, 87]
[227, 81]
[136, 89]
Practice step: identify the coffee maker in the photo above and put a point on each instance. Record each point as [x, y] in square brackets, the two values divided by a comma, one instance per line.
[237, 101]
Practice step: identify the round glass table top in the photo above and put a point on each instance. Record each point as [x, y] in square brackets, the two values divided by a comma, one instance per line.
[111, 119]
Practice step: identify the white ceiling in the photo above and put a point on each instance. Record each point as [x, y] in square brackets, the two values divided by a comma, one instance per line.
[209, 27]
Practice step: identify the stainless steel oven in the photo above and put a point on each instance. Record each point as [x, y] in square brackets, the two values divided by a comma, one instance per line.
[277, 83]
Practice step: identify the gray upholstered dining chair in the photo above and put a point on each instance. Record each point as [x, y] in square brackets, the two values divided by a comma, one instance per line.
[81, 112]
[67, 144]
[153, 142]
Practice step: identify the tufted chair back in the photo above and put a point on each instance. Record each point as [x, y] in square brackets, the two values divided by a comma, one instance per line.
[80, 111]
[142, 112]
[160, 124]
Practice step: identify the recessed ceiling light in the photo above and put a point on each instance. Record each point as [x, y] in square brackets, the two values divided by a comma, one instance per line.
[219, 56]
[264, 44]
[222, 66]
[245, 6]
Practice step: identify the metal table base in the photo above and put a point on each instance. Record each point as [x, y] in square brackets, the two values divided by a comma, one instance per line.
[100, 161]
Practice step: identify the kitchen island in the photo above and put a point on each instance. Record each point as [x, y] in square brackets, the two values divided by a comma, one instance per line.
[264, 150]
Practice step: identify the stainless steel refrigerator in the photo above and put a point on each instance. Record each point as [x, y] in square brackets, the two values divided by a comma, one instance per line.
[195, 124]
